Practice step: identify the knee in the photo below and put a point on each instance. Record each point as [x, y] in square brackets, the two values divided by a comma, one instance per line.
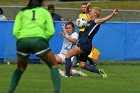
[21, 68]
[67, 55]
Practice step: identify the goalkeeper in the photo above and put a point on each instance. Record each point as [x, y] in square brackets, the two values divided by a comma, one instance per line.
[33, 28]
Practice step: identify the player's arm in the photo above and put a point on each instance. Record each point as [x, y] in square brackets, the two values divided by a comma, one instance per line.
[17, 25]
[73, 40]
[102, 20]
[64, 30]
[88, 6]
[50, 26]
[70, 39]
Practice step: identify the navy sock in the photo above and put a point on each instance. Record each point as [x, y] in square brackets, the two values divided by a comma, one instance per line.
[91, 68]
[68, 66]
[90, 60]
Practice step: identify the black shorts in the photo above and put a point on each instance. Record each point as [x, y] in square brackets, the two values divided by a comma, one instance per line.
[85, 44]
[86, 48]
[35, 45]
[83, 57]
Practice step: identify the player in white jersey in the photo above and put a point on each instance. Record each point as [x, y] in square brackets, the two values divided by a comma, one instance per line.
[70, 39]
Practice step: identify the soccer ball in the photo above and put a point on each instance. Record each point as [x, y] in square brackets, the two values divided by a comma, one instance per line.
[81, 22]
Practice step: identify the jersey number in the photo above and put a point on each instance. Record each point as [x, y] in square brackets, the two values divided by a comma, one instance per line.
[33, 18]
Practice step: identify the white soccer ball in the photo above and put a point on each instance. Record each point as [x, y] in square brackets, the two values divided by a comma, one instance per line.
[81, 22]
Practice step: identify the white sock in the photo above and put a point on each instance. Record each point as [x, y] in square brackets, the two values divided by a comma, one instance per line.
[59, 70]
[75, 72]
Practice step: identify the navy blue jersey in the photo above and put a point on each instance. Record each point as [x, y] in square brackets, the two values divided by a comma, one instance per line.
[85, 41]
[56, 17]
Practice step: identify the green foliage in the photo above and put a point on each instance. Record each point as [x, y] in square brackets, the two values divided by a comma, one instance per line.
[36, 79]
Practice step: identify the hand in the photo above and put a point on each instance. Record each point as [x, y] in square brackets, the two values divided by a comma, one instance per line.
[88, 4]
[115, 11]
[62, 34]
[63, 26]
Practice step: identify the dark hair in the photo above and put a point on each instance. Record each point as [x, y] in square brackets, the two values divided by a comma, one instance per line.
[33, 4]
[70, 23]
[50, 6]
[1, 11]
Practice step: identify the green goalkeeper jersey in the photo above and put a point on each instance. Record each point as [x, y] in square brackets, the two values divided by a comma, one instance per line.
[36, 22]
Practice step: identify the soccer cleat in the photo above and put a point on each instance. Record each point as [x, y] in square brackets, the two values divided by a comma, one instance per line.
[82, 74]
[102, 73]
[68, 76]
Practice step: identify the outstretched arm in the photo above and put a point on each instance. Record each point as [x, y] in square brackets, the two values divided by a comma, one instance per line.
[102, 20]
[73, 40]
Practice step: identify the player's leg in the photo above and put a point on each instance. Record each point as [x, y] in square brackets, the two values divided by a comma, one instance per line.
[76, 72]
[50, 60]
[83, 65]
[74, 51]
[22, 59]
[22, 64]
[92, 62]
[44, 52]
[58, 59]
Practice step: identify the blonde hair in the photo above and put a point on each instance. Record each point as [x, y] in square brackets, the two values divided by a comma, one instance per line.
[97, 11]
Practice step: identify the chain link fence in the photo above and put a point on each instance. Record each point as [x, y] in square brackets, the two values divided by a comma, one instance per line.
[123, 16]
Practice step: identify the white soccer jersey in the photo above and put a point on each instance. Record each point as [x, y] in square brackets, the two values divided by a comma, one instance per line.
[67, 45]
[2, 17]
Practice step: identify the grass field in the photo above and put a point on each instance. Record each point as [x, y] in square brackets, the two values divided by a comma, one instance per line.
[36, 79]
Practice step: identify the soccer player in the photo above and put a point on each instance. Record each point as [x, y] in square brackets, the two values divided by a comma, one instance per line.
[85, 14]
[70, 39]
[84, 43]
[33, 29]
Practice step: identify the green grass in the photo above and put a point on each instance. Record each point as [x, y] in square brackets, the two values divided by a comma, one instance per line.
[36, 79]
